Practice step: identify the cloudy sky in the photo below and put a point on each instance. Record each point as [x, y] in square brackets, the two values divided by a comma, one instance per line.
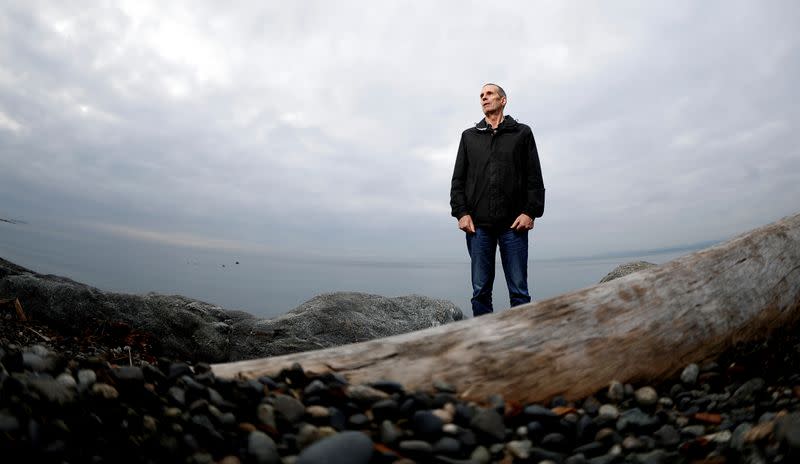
[329, 129]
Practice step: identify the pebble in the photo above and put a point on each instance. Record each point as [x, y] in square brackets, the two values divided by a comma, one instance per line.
[366, 394]
[646, 396]
[616, 391]
[489, 423]
[343, 448]
[262, 448]
[690, 373]
[288, 408]
[191, 416]
[608, 411]
[105, 391]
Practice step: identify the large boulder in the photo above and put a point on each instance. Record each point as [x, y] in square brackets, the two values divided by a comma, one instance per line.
[625, 269]
[190, 329]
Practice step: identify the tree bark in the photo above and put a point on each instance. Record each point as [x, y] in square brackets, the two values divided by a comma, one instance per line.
[639, 328]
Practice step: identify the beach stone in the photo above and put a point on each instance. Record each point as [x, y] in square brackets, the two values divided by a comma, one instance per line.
[266, 415]
[307, 435]
[608, 411]
[591, 449]
[636, 420]
[667, 436]
[488, 422]
[67, 380]
[555, 441]
[616, 391]
[447, 446]
[389, 432]
[52, 391]
[318, 412]
[366, 394]
[417, 447]
[540, 414]
[8, 423]
[33, 362]
[693, 431]
[646, 396]
[632, 443]
[347, 447]
[262, 449]
[427, 425]
[690, 373]
[787, 431]
[358, 421]
[520, 449]
[746, 393]
[480, 455]
[385, 409]
[104, 390]
[289, 408]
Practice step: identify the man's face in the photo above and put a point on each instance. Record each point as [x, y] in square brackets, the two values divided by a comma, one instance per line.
[491, 101]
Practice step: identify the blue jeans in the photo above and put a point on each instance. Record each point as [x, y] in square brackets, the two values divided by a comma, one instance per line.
[514, 256]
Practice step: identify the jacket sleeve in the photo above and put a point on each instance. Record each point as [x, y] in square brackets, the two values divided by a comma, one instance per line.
[458, 196]
[534, 206]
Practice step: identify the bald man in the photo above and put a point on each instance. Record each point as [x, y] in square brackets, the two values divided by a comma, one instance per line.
[496, 194]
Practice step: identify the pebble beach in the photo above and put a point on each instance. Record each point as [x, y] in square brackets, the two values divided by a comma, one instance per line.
[103, 396]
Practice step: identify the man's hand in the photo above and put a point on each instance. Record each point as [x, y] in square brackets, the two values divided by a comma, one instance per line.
[465, 224]
[523, 222]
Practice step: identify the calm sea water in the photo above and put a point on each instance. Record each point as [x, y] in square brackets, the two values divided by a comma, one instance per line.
[266, 286]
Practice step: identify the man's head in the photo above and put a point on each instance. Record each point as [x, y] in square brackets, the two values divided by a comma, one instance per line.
[493, 99]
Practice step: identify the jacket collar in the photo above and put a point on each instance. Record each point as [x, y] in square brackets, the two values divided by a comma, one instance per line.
[507, 123]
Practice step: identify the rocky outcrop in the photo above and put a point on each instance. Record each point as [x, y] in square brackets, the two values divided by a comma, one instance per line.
[191, 329]
[625, 269]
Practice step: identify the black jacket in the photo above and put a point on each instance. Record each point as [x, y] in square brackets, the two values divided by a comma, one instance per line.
[497, 175]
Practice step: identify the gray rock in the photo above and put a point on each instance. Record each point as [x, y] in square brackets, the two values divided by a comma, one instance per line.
[608, 411]
[747, 392]
[34, 362]
[616, 391]
[194, 330]
[787, 430]
[646, 396]
[67, 380]
[625, 269]
[480, 455]
[289, 408]
[343, 448]
[490, 423]
[667, 436]
[51, 390]
[262, 448]
[636, 420]
[737, 439]
[690, 373]
[520, 449]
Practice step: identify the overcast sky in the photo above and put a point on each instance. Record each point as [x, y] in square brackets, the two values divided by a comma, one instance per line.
[329, 129]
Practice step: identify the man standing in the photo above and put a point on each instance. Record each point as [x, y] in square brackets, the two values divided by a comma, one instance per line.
[496, 193]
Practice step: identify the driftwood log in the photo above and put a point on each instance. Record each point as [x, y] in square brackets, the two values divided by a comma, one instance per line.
[642, 327]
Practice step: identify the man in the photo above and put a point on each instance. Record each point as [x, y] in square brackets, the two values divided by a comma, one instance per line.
[496, 193]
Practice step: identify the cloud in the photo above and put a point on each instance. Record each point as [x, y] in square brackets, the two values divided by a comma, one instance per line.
[338, 122]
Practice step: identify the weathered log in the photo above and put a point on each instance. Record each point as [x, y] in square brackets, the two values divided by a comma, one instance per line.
[641, 327]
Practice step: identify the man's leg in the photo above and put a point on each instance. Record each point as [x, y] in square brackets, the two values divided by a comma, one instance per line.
[514, 255]
[481, 246]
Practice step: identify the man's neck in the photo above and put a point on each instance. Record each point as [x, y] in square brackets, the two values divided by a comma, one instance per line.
[494, 119]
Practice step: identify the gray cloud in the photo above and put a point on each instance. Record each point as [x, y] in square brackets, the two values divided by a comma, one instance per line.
[331, 129]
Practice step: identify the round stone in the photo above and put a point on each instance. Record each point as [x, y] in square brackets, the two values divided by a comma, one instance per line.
[616, 391]
[262, 448]
[489, 423]
[646, 396]
[608, 411]
[690, 373]
[343, 448]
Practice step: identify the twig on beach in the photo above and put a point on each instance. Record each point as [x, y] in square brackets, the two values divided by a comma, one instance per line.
[44, 337]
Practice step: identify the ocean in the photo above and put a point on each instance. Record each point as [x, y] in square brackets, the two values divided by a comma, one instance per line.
[270, 286]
